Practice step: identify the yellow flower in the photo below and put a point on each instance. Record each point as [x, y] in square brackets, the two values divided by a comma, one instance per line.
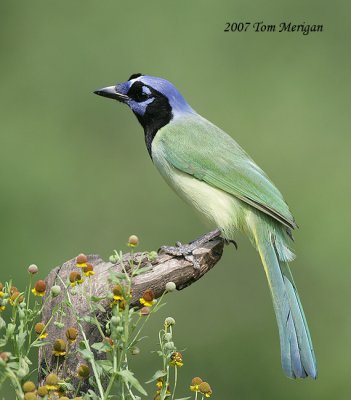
[71, 334]
[2, 294]
[2, 308]
[51, 382]
[176, 359]
[205, 389]
[148, 299]
[88, 270]
[39, 288]
[75, 278]
[40, 330]
[16, 298]
[59, 348]
[159, 385]
[81, 260]
[195, 382]
[133, 241]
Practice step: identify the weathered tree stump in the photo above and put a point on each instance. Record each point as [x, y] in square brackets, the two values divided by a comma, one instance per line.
[165, 268]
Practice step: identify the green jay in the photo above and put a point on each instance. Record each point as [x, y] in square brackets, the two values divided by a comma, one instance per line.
[207, 168]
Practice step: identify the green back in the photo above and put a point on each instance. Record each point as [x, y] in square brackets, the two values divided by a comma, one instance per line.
[199, 148]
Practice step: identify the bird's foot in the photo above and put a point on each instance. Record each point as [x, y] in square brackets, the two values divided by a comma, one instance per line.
[186, 250]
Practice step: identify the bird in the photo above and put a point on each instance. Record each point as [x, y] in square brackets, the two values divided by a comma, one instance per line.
[209, 170]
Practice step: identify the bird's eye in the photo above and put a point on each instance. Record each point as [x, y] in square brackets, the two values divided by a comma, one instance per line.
[139, 92]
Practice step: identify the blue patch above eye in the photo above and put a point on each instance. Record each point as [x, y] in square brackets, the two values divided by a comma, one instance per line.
[146, 90]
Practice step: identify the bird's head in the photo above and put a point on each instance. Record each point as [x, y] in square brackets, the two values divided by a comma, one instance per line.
[154, 101]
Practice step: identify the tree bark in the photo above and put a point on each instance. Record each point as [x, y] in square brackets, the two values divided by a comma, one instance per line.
[164, 268]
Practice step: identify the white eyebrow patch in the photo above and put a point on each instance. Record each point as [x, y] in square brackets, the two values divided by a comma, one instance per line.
[146, 90]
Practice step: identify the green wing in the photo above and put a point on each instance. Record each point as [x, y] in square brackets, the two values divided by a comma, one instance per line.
[199, 148]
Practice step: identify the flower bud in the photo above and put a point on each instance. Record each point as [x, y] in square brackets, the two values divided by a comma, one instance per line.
[168, 336]
[133, 241]
[145, 311]
[71, 334]
[169, 321]
[55, 290]
[28, 386]
[135, 351]
[42, 391]
[51, 379]
[205, 389]
[33, 269]
[30, 396]
[169, 346]
[83, 371]
[171, 287]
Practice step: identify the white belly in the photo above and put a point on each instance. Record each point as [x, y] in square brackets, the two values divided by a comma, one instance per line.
[220, 208]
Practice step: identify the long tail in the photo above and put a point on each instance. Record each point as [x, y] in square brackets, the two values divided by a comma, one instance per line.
[297, 355]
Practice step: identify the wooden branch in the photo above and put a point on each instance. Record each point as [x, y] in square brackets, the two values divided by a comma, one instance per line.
[165, 268]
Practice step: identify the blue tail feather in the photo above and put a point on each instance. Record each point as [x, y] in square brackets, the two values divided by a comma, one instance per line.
[298, 359]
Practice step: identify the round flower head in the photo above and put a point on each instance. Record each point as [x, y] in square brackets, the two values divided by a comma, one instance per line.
[39, 288]
[195, 382]
[4, 356]
[16, 298]
[83, 371]
[55, 290]
[148, 299]
[40, 330]
[169, 321]
[117, 292]
[145, 311]
[33, 269]
[176, 359]
[75, 278]
[88, 270]
[28, 386]
[30, 396]
[71, 334]
[81, 260]
[51, 382]
[205, 389]
[42, 391]
[133, 241]
[171, 287]
[59, 348]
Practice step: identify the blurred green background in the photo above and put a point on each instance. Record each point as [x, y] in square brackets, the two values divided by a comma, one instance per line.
[75, 174]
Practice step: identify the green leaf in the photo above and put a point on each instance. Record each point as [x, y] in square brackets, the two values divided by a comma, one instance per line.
[119, 275]
[142, 270]
[101, 346]
[100, 308]
[105, 365]
[88, 319]
[184, 398]
[129, 377]
[21, 337]
[86, 354]
[92, 395]
[157, 374]
[10, 329]
[96, 299]
[2, 323]
[40, 343]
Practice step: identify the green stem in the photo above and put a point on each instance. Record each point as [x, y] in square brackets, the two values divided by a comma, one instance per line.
[78, 388]
[175, 381]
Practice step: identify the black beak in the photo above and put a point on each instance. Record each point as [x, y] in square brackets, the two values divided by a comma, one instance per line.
[111, 93]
